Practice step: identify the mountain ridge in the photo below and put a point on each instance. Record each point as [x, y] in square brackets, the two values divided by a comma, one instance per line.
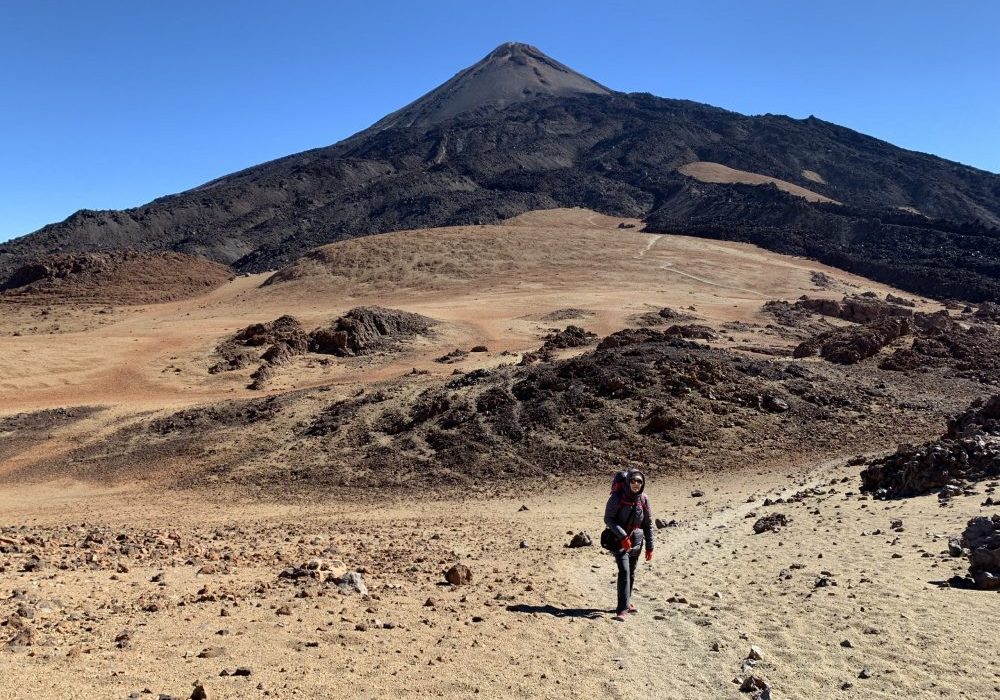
[615, 153]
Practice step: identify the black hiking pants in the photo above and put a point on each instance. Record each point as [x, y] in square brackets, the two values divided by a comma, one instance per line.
[627, 562]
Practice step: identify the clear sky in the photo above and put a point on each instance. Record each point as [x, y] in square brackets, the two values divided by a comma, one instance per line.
[109, 104]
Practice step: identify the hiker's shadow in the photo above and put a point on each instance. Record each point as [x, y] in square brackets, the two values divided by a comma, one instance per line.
[589, 613]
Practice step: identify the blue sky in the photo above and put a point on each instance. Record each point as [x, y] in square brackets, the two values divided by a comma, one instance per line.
[107, 105]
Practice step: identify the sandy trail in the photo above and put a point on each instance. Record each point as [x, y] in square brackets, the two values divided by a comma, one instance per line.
[542, 610]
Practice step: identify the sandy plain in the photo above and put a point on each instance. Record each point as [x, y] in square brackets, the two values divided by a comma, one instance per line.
[535, 620]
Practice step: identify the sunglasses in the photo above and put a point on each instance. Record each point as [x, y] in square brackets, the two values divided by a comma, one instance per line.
[635, 481]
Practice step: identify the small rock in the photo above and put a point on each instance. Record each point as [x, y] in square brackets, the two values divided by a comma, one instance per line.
[351, 582]
[581, 539]
[459, 575]
[754, 684]
[770, 523]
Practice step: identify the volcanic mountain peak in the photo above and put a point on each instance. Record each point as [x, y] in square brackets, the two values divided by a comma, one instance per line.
[509, 74]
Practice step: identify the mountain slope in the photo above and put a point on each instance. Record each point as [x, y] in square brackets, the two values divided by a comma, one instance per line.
[469, 153]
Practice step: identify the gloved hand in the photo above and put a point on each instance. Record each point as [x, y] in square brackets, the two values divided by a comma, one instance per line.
[626, 543]
[649, 555]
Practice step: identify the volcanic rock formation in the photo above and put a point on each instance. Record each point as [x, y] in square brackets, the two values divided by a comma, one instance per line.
[114, 278]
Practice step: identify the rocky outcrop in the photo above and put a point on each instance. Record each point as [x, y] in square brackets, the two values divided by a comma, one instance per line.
[968, 452]
[972, 353]
[119, 277]
[368, 329]
[850, 345]
[982, 541]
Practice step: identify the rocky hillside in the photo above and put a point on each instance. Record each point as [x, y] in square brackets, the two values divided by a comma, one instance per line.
[120, 277]
[519, 131]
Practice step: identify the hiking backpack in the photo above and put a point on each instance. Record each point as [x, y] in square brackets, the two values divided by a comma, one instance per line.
[619, 485]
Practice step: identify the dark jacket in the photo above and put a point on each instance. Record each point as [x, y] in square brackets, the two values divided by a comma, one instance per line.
[630, 514]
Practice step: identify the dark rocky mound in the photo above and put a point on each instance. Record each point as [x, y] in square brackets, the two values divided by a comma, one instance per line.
[19, 431]
[863, 308]
[362, 330]
[469, 153]
[982, 540]
[565, 315]
[284, 336]
[972, 353]
[968, 452]
[367, 329]
[988, 312]
[285, 329]
[569, 337]
[635, 336]
[114, 278]
[662, 317]
[850, 345]
[792, 319]
[669, 402]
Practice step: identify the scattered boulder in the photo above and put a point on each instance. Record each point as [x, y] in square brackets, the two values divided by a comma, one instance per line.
[569, 337]
[988, 311]
[770, 523]
[774, 404]
[581, 539]
[662, 317]
[351, 582]
[456, 355]
[459, 575]
[899, 301]
[982, 541]
[757, 686]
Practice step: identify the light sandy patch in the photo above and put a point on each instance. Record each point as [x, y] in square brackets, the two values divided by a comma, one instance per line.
[718, 173]
[813, 176]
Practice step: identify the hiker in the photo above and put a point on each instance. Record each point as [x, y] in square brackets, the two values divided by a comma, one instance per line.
[630, 521]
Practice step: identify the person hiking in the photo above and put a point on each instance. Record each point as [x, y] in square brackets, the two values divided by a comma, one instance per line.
[630, 519]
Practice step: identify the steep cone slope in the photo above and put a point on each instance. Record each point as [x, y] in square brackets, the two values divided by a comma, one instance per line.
[512, 73]
[566, 142]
